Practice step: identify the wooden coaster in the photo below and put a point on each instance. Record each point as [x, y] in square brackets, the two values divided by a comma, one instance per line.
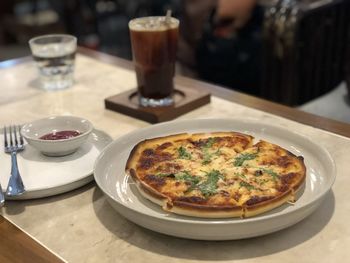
[186, 100]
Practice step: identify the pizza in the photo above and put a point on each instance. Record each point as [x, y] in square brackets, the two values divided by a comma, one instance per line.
[215, 175]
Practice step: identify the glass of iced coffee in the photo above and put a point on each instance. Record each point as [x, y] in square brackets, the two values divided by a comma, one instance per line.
[154, 45]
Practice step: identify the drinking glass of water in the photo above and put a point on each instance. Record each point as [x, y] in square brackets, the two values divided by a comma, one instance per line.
[54, 55]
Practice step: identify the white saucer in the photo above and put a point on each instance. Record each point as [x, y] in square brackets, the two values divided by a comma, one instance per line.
[46, 176]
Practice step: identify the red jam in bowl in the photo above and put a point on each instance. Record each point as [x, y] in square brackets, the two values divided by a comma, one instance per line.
[60, 135]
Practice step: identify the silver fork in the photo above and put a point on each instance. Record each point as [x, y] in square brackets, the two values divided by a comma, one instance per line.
[14, 143]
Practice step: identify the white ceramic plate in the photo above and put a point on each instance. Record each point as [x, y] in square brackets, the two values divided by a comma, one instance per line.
[46, 176]
[124, 197]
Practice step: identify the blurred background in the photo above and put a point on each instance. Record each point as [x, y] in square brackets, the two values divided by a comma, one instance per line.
[294, 52]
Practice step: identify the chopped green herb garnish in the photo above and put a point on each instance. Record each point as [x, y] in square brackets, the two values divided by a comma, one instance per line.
[207, 157]
[218, 152]
[262, 182]
[183, 176]
[270, 172]
[183, 154]
[186, 176]
[239, 160]
[210, 142]
[246, 185]
[205, 148]
[209, 187]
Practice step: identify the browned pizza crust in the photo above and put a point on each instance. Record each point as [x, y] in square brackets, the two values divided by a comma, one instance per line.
[215, 175]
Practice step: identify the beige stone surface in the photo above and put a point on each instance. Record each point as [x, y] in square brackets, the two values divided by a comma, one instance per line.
[80, 226]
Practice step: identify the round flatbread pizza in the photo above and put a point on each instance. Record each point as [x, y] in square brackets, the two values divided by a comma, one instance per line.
[215, 175]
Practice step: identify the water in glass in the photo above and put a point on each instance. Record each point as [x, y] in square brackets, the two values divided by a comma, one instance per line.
[55, 62]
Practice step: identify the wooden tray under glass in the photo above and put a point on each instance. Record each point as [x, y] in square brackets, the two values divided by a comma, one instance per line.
[186, 100]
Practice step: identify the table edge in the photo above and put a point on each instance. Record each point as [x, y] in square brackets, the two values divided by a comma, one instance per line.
[18, 246]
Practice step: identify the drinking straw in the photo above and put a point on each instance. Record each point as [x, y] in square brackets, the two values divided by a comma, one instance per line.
[168, 16]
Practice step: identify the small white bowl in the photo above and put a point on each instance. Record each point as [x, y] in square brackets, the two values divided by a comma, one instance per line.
[34, 130]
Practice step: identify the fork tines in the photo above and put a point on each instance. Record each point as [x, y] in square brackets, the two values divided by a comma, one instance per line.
[20, 135]
[5, 137]
[12, 136]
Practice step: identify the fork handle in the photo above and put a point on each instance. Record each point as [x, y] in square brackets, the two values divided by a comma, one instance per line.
[2, 197]
[15, 185]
